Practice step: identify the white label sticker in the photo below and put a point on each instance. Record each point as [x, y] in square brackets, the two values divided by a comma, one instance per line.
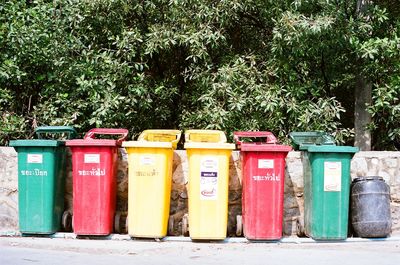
[35, 158]
[92, 158]
[209, 178]
[332, 176]
[147, 160]
[265, 163]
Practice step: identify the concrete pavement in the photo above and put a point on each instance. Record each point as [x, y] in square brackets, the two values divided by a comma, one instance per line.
[64, 250]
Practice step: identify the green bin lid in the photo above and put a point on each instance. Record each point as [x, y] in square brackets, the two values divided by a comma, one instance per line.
[40, 131]
[332, 149]
[301, 140]
[37, 143]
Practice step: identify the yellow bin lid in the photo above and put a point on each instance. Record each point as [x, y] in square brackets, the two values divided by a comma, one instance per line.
[147, 144]
[156, 139]
[209, 146]
[205, 136]
[206, 139]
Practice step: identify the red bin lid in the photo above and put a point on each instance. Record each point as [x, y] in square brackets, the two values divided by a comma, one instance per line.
[263, 147]
[92, 142]
[89, 139]
[270, 144]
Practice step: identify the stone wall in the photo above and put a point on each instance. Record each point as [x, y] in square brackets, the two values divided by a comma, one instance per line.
[385, 164]
[8, 190]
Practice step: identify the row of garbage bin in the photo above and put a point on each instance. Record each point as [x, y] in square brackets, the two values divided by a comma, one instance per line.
[42, 169]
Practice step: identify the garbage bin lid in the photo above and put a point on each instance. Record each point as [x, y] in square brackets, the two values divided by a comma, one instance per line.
[89, 139]
[92, 142]
[195, 145]
[265, 142]
[37, 143]
[41, 131]
[157, 135]
[332, 149]
[262, 147]
[300, 140]
[205, 136]
[148, 144]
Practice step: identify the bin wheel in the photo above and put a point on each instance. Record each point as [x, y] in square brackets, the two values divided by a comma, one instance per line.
[239, 225]
[117, 222]
[121, 222]
[171, 222]
[66, 221]
[124, 222]
[185, 225]
[300, 226]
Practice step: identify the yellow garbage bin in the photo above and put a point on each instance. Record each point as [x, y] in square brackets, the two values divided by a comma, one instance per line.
[208, 156]
[150, 177]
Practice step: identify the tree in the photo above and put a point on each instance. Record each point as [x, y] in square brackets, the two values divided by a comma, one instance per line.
[229, 65]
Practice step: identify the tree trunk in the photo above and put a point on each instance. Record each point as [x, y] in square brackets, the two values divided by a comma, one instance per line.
[363, 92]
[363, 97]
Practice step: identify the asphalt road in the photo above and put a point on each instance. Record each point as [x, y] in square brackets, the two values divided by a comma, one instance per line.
[46, 251]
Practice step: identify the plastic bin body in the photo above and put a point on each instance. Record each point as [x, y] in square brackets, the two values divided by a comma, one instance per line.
[326, 191]
[208, 185]
[150, 179]
[41, 178]
[94, 168]
[94, 189]
[263, 179]
[41, 181]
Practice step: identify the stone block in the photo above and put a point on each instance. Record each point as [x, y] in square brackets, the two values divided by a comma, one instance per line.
[359, 167]
[372, 166]
[390, 163]
[385, 176]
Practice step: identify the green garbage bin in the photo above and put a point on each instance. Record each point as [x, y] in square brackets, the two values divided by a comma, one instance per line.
[41, 178]
[326, 185]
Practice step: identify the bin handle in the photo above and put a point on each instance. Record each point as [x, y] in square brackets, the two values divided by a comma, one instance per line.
[177, 134]
[55, 130]
[92, 132]
[222, 136]
[270, 138]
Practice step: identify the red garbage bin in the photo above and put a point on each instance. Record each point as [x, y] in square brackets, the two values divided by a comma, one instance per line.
[263, 179]
[94, 168]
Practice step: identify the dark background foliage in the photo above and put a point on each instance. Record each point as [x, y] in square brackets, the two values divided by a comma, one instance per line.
[229, 64]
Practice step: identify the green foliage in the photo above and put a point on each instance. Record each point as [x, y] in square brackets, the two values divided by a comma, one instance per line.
[231, 65]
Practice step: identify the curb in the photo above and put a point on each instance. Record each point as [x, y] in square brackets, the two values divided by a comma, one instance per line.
[285, 240]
